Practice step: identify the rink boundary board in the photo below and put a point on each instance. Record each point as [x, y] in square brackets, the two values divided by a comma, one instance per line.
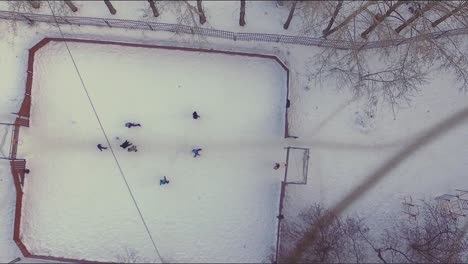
[19, 165]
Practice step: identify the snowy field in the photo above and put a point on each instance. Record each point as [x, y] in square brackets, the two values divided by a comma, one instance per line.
[218, 207]
[346, 145]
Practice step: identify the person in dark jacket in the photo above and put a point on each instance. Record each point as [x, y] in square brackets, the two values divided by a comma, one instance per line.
[196, 152]
[277, 166]
[130, 124]
[100, 147]
[125, 144]
[195, 115]
[132, 148]
[163, 181]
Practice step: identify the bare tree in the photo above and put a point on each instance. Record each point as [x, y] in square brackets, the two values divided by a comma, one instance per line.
[153, 8]
[291, 14]
[21, 6]
[392, 75]
[131, 255]
[400, 71]
[434, 236]
[333, 17]
[110, 7]
[61, 8]
[450, 13]
[70, 4]
[417, 13]
[314, 16]
[379, 18]
[184, 11]
[242, 13]
[338, 240]
[349, 18]
[201, 14]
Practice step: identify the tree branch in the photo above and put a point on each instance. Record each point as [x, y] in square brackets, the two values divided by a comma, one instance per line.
[349, 18]
[379, 18]
[451, 13]
[70, 4]
[332, 19]
[290, 15]
[417, 14]
[400, 252]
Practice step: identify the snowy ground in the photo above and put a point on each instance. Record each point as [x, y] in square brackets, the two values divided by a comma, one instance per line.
[346, 145]
[220, 207]
[261, 16]
[8, 250]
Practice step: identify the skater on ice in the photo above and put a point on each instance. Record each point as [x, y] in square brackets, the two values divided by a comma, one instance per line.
[125, 144]
[277, 165]
[163, 181]
[196, 152]
[100, 147]
[132, 148]
[195, 115]
[130, 124]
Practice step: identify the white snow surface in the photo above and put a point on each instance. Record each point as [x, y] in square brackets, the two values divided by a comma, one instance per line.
[218, 207]
[346, 145]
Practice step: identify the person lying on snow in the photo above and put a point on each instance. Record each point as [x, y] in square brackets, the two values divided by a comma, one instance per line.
[278, 165]
[132, 148]
[100, 147]
[195, 115]
[163, 181]
[125, 144]
[130, 124]
[196, 152]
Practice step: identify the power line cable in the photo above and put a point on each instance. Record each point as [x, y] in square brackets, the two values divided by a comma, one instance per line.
[105, 135]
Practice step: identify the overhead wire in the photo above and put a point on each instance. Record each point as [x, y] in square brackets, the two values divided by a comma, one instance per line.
[104, 133]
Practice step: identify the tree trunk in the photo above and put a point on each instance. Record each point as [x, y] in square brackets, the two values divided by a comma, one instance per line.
[290, 16]
[35, 3]
[332, 19]
[110, 7]
[242, 13]
[417, 14]
[379, 18]
[200, 12]
[451, 13]
[349, 18]
[154, 8]
[70, 4]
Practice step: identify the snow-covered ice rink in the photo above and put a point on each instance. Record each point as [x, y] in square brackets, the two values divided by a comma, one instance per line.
[220, 207]
[234, 180]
